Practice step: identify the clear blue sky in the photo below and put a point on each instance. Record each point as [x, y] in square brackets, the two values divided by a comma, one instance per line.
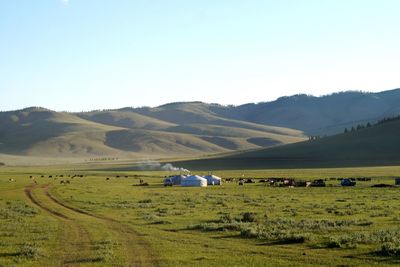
[85, 54]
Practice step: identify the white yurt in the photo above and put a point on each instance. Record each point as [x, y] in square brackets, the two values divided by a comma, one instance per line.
[194, 180]
[177, 179]
[213, 180]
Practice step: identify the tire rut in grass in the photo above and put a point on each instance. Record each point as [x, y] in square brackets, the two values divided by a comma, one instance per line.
[75, 246]
[137, 251]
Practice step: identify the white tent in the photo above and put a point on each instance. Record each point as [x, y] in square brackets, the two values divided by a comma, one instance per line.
[177, 179]
[194, 180]
[213, 180]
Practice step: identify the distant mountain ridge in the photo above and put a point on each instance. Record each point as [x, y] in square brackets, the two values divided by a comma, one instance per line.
[183, 129]
[328, 114]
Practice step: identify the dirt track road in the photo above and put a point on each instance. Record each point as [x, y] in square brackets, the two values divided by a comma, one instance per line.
[77, 244]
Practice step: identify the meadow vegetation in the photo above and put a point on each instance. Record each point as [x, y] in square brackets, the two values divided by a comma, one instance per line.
[112, 222]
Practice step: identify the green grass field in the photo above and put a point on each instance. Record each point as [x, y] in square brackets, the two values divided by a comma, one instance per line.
[98, 222]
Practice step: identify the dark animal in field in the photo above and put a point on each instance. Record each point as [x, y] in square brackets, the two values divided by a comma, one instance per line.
[348, 182]
[117, 176]
[42, 176]
[50, 176]
[249, 181]
[288, 182]
[383, 185]
[318, 183]
[126, 176]
[302, 184]
[107, 178]
[64, 182]
[241, 183]
[11, 180]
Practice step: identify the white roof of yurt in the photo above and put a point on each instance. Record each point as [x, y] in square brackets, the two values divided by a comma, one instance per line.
[213, 179]
[177, 179]
[194, 180]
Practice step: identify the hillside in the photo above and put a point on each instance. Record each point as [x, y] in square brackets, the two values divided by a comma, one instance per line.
[44, 133]
[377, 145]
[328, 114]
[192, 129]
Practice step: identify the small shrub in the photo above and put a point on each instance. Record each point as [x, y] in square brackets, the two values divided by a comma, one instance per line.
[161, 222]
[226, 218]
[28, 251]
[105, 250]
[148, 200]
[342, 242]
[294, 239]
[248, 217]
[391, 249]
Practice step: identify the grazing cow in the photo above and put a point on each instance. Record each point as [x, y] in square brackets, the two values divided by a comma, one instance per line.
[11, 180]
[318, 183]
[107, 178]
[288, 182]
[301, 184]
[241, 183]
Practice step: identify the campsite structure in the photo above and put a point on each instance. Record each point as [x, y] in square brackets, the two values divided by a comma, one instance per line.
[193, 181]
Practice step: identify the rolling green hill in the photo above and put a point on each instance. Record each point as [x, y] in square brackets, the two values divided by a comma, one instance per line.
[194, 128]
[377, 145]
[38, 132]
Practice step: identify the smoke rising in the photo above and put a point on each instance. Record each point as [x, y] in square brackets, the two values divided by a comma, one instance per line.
[156, 166]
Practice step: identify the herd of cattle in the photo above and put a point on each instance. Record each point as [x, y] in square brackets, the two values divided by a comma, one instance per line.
[291, 182]
[271, 181]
